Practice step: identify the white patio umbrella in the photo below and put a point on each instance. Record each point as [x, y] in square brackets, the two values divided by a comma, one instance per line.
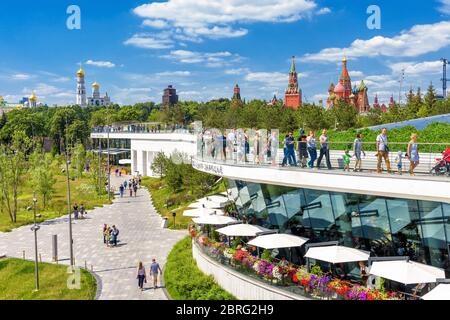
[243, 230]
[214, 220]
[277, 240]
[215, 198]
[200, 212]
[206, 204]
[337, 254]
[441, 292]
[406, 272]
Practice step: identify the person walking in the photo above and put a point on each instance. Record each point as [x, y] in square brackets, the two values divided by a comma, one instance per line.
[302, 150]
[75, 211]
[311, 143]
[413, 154]
[357, 150]
[324, 149]
[154, 267]
[135, 188]
[130, 186]
[105, 228]
[285, 152]
[290, 148]
[141, 276]
[125, 183]
[346, 159]
[107, 235]
[121, 190]
[114, 235]
[399, 161]
[82, 211]
[383, 150]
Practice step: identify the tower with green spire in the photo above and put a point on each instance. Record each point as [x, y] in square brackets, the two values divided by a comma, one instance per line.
[293, 95]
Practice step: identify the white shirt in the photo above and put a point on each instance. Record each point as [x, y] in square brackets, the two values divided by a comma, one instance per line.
[382, 142]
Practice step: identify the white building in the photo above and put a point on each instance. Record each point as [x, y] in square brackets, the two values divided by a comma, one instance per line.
[96, 99]
[81, 88]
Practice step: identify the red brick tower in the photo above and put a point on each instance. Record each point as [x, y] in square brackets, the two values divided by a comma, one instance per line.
[293, 95]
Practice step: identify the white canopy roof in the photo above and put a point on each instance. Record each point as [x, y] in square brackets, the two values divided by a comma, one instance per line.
[214, 220]
[277, 240]
[200, 212]
[337, 254]
[214, 198]
[441, 292]
[243, 230]
[206, 204]
[125, 161]
[406, 272]
[197, 212]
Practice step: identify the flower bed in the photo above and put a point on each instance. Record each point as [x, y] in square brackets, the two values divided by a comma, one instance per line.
[315, 284]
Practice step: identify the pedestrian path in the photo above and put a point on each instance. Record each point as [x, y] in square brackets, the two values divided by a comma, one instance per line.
[141, 238]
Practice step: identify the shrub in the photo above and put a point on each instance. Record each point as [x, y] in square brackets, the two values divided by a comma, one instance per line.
[183, 279]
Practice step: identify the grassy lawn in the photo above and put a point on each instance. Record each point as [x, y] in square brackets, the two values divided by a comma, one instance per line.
[183, 279]
[161, 192]
[17, 282]
[56, 207]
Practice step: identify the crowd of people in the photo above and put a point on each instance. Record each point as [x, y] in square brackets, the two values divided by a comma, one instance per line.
[132, 184]
[238, 144]
[110, 235]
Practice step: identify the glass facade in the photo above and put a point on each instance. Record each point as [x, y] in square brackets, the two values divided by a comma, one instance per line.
[384, 226]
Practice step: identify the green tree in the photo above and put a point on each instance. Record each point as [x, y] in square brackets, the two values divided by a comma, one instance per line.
[160, 164]
[79, 159]
[13, 166]
[42, 175]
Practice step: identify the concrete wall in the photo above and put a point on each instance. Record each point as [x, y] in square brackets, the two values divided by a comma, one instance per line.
[145, 147]
[238, 285]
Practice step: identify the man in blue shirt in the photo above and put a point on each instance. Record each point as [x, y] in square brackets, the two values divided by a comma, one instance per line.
[154, 267]
[290, 148]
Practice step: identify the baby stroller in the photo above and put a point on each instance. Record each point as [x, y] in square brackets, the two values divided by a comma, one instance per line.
[442, 166]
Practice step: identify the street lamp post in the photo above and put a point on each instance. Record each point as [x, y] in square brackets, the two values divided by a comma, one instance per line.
[68, 203]
[35, 228]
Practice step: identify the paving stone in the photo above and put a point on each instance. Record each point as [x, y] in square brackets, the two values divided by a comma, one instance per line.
[141, 238]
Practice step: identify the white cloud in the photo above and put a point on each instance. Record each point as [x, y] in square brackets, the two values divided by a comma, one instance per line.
[271, 77]
[417, 68]
[445, 6]
[157, 24]
[210, 59]
[174, 74]
[355, 73]
[323, 11]
[101, 64]
[418, 40]
[236, 71]
[146, 41]
[21, 76]
[218, 18]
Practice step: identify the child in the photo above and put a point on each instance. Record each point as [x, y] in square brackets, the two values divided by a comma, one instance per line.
[303, 150]
[399, 162]
[346, 157]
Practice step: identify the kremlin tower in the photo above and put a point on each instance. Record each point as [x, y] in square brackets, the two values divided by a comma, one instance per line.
[293, 95]
[81, 89]
[237, 93]
[343, 92]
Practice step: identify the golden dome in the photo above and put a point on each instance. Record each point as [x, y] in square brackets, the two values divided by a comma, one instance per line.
[95, 85]
[33, 97]
[80, 73]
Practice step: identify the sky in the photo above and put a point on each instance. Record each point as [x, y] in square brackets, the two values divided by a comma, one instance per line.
[134, 49]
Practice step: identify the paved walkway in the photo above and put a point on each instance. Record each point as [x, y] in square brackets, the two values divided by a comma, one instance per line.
[141, 238]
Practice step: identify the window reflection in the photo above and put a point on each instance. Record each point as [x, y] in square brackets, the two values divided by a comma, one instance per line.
[384, 226]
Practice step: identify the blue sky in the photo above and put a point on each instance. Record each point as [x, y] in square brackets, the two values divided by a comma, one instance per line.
[135, 48]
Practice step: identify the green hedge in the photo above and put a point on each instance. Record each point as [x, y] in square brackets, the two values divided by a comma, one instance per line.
[183, 279]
